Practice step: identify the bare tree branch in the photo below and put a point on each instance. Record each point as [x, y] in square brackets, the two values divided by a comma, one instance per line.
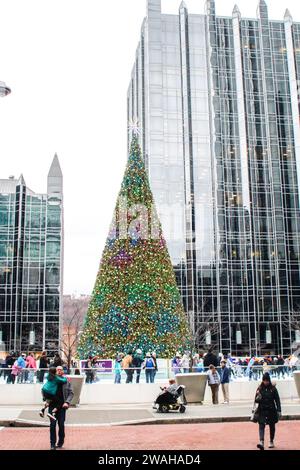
[74, 313]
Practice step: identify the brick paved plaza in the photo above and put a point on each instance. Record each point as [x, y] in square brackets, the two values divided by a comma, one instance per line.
[219, 436]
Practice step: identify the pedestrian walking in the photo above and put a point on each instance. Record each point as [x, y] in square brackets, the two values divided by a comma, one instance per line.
[268, 411]
[155, 370]
[89, 373]
[185, 363]
[224, 379]
[214, 383]
[43, 366]
[176, 362]
[210, 359]
[9, 360]
[149, 367]
[137, 362]
[118, 368]
[266, 367]
[199, 364]
[64, 397]
[15, 372]
[23, 374]
[31, 367]
[49, 392]
[57, 361]
[127, 366]
[287, 366]
[280, 366]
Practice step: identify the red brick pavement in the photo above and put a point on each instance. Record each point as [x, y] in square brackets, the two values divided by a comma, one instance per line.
[221, 436]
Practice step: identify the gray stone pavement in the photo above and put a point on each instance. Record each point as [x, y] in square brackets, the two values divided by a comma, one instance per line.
[94, 415]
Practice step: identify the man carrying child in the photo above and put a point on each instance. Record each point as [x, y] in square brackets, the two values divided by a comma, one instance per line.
[64, 397]
[58, 402]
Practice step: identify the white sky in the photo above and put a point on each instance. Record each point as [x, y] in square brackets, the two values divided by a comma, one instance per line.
[68, 63]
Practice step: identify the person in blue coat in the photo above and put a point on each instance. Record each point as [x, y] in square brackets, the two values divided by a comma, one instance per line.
[21, 363]
[224, 376]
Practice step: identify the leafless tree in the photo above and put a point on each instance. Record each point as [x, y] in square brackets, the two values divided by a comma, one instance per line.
[198, 335]
[74, 313]
[292, 322]
[201, 333]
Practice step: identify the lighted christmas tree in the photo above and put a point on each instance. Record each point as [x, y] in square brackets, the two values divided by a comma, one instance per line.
[136, 301]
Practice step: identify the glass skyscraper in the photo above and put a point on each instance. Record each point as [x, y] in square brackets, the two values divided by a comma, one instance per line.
[217, 102]
[31, 264]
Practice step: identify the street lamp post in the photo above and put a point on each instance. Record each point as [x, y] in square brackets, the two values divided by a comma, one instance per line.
[4, 89]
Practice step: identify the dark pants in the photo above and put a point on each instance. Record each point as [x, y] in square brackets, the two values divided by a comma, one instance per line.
[280, 371]
[11, 378]
[41, 376]
[89, 377]
[215, 393]
[60, 421]
[138, 375]
[129, 375]
[262, 432]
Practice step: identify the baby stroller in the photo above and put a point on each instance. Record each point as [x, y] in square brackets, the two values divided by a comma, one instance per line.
[171, 401]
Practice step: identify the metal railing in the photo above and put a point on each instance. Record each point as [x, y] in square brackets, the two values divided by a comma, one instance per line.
[142, 375]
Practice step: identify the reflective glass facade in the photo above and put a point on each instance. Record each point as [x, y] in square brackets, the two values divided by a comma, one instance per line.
[217, 101]
[31, 250]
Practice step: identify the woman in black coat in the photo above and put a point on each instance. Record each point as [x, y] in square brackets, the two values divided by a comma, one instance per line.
[44, 364]
[269, 409]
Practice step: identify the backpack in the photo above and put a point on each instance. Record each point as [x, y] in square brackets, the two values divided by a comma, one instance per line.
[149, 363]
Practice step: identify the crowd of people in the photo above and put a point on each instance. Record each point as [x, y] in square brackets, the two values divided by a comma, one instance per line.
[23, 367]
[132, 363]
[130, 366]
[251, 367]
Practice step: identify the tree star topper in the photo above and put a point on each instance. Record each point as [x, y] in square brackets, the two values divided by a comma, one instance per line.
[134, 127]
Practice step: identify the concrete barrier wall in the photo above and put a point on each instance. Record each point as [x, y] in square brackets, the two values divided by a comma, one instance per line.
[240, 391]
[97, 394]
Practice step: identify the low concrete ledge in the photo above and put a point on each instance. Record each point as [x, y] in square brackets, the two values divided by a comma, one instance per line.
[98, 394]
[19, 423]
[207, 420]
[297, 381]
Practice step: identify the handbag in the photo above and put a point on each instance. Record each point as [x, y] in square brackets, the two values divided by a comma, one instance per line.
[255, 414]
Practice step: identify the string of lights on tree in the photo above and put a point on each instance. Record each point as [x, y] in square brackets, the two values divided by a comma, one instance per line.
[136, 301]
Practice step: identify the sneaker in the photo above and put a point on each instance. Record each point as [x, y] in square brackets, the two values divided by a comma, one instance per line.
[51, 416]
[53, 448]
[260, 446]
[42, 413]
[59, 445]
[271, 446]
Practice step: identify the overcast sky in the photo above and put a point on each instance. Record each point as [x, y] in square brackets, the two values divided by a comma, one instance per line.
[68, 63]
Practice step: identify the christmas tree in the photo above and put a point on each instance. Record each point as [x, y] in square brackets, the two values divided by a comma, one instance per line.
[136, 301]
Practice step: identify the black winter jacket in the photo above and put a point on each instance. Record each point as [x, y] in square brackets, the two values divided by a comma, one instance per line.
[268, 404]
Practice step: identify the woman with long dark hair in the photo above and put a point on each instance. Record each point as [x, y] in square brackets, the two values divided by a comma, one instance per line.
[268, 411]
